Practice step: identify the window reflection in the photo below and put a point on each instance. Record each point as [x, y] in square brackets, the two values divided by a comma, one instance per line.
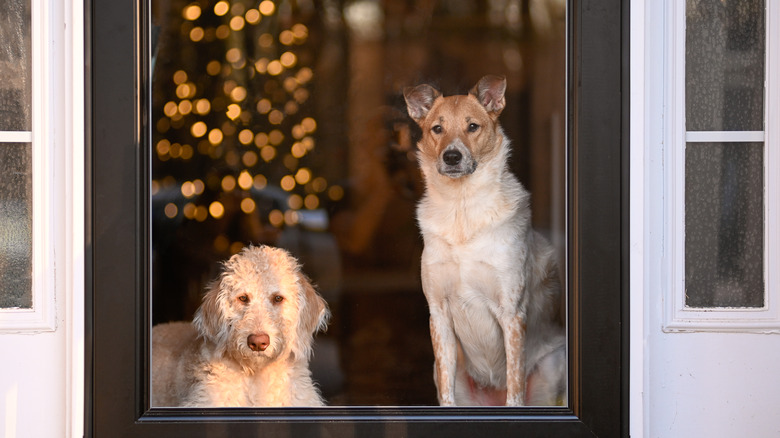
[16, 156]
[724, 182]
[16, 226]
[283, 123]
[16, 66]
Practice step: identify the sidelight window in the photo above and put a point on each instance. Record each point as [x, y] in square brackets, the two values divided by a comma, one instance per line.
[723, 158]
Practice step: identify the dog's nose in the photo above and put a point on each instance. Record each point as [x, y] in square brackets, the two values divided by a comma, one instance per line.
[452, 158]
[258, 342]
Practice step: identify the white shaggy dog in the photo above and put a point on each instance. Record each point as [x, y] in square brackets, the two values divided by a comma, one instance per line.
[250, 341]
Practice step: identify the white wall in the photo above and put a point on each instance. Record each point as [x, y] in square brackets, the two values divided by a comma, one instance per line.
[691, 384]
[32, 385]
[41, 374]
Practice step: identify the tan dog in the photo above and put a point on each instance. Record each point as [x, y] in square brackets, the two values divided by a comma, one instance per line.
[491, 281]
[250, 342]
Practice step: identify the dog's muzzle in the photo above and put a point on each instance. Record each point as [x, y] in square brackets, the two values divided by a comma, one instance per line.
[456, 161]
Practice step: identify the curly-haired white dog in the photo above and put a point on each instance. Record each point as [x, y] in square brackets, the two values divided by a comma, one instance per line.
[250, 341]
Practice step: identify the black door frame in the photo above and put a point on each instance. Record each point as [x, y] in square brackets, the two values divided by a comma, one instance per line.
[118, 255]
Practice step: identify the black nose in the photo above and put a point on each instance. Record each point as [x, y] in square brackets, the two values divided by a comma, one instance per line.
[452, 158]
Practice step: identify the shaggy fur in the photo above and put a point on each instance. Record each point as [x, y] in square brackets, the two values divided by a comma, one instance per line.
[250, 341]
[490, 280]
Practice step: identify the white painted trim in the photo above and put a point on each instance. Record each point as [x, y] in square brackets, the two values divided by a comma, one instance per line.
[637, 141]
[15, 137]
[724, 136]
[73, 81]
[772, 159]
[678, 317]
[674, 159]
[42, 316]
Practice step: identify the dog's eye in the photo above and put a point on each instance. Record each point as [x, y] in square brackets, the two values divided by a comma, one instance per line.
[243, 298]
[278, 299]
[473, 127]
[437, 129]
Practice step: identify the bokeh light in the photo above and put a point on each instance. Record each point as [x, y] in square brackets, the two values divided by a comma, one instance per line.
[275, 137]
[245, 180]
[248, 205]
[188, 189]
[303, 176]
[276, 218]
[335, 193]
[234, 116]
[245, 136]
[311, 201]
[253, 16]
[197, 34]
[267, 7]
[221, 8]
[291, 217]
[216, 209]
[287, 183]
[191, 12]
[295, 202]
[171, 210]
[259, 182]
[228, 183]
[319, 184]
[198, 129]
[237, 23]
[215, 136]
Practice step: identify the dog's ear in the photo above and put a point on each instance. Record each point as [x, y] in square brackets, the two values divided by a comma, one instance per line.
[314, 316]
[419, 100]
[209, 318]
[490, 93]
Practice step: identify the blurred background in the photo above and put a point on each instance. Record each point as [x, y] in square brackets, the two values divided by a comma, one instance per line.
[283, 123]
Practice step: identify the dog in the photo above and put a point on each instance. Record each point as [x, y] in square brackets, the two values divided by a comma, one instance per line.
[490, 280]
[250, 341]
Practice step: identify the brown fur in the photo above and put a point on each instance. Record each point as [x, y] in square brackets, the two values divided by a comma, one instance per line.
[490, 280]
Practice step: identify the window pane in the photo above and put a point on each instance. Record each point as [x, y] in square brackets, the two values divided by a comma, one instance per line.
[290, 122]
[15, 66]
[724, 224]
[15, 225]
[724, 73]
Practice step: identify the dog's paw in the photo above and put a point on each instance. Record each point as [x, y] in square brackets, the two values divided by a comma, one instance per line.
[514, 401]
[447, 401]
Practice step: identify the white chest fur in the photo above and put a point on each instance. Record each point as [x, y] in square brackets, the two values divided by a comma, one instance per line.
[471, 231]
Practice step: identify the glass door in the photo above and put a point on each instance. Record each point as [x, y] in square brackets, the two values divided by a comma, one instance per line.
[216, 124]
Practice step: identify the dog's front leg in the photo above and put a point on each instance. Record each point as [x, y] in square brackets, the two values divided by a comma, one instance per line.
[445, 353]
[439, 280]
[513, 326]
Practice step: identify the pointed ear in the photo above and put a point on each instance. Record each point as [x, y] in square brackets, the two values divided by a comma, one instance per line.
[419, 100]
[314, 316]
[490, 93]
[210, 318]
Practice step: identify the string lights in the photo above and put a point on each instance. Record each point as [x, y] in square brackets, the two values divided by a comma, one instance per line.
[230, 114]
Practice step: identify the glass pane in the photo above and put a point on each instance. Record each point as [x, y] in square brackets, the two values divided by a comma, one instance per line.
[15, 66]
[284, 123]
[15, 225]
[724, 65]
[724, 225]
